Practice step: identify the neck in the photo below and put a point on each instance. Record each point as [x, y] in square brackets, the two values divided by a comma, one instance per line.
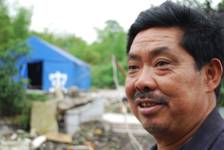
[176, 141]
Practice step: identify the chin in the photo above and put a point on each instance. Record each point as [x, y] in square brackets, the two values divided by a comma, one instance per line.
[154, 128]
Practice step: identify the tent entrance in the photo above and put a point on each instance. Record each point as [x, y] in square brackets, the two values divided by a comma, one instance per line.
[35, 72]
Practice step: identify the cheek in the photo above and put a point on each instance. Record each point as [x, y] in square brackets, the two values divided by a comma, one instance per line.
[182, 90]
[133, 108]
[171, 87]
[178, 84]
[129, 87]
[130, 90]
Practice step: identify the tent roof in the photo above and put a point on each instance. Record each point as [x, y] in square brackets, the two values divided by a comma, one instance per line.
[59, 51]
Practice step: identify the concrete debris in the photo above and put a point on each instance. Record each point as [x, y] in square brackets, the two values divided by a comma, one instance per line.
[43, 117]
[70, 103]
[58, 93]
[121, 123]
[109, 95]
[38, 141]
[59, 137]
[15, 140]
[74, 117]
[99, 136]
[80, 147]
[13, 136]
[5, 130]
[15, 145]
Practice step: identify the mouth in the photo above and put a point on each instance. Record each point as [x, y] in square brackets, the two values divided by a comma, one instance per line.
[146, 104]
[149, 106]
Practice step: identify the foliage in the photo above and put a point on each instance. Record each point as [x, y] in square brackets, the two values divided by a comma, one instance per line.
[111, 41]
[102, 76]
[12, 92]
[191, 3]
[13, 35]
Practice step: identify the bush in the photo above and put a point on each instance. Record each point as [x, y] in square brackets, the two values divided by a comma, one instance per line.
[12, 91]
[14, 31]
[102, 75]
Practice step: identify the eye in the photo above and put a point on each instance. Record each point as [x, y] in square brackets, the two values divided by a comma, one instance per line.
[132, 68]
[162, 63]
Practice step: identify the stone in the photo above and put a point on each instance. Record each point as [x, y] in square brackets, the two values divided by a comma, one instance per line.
[5, 130]
[38, 141]
[80, 147]
[15, 145]
[73, 91]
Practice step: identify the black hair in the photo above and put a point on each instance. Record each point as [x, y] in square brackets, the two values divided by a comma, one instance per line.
[203, 36]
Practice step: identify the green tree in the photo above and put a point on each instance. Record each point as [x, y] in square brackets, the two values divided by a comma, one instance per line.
[111, 41]
[13, 36]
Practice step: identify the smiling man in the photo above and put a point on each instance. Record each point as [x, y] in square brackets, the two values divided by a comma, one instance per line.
[175, 67]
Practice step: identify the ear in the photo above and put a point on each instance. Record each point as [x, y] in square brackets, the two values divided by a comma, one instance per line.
[213, 72]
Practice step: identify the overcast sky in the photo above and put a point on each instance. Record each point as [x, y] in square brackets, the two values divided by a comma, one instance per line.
[80, 17]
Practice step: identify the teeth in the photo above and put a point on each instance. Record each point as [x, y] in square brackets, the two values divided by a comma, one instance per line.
[147, 104]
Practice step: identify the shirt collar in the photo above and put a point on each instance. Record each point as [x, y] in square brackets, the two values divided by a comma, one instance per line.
[206, 134]
[154, 147]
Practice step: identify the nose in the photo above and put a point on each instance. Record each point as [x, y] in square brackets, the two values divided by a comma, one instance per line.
[145, 81]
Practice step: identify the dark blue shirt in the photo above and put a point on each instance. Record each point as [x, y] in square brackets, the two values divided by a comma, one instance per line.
[210, 136]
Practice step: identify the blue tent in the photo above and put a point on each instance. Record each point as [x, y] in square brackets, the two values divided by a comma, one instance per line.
[47, 65]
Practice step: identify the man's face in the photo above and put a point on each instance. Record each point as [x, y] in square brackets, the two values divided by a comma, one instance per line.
[175, 96]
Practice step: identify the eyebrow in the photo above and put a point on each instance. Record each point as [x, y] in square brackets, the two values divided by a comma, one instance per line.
[157, 51]
[134, 57]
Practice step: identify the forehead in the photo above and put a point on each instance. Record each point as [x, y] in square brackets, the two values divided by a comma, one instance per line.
[157, 37]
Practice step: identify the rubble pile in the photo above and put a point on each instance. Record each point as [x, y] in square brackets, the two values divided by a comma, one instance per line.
[14, 140]
[99, 136]
[76, 121]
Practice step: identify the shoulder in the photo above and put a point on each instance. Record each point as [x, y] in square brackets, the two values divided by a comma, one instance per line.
[219, 142]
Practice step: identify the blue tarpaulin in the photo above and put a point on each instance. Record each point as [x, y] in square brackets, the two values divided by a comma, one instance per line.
[47, 65]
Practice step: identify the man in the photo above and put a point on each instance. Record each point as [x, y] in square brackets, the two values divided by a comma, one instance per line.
[175, 67]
